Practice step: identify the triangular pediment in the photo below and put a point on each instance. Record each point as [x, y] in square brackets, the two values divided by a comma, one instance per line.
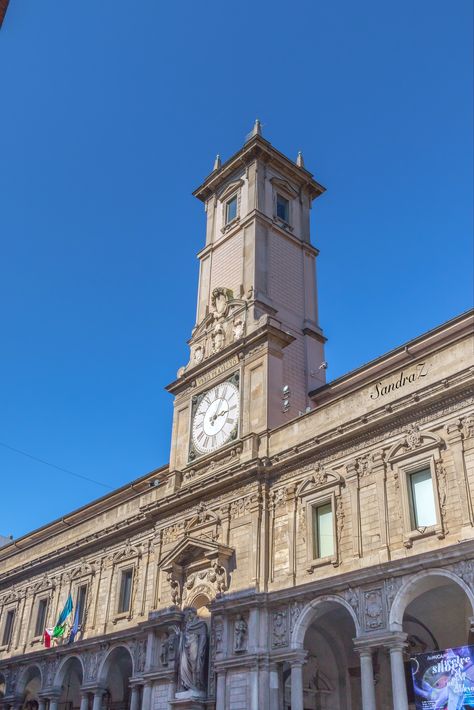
[190, 549]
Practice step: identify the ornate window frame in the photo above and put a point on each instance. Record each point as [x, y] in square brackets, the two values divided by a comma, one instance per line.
[8, 607]
[233, 189]
[320, 488]
[417, 451]
[39, 597]
[284, 189]
[124, 559]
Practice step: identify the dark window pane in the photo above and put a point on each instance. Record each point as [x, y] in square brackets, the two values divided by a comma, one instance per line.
[41, 617]
[81, 602]
[8, 628]
[125, 591]
[283, 208]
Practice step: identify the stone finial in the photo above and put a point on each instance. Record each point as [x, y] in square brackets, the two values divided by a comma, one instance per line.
[299, 160]
[257, 128]
[217, 162]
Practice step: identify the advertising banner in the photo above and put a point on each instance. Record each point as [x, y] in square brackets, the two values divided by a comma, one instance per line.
[444, 680]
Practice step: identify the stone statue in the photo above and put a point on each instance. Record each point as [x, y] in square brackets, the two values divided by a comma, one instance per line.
[193, 651]
[240, 634]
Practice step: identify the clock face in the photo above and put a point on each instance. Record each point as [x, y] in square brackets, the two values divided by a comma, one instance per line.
[216, 418]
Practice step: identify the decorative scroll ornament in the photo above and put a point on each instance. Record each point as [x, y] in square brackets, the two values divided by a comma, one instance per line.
[352, 598]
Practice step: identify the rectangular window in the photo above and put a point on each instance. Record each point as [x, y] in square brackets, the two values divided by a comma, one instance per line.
[323, 531]
[41, 617]
[81, 602]
[8, 628]
[423, 509]
[125, 591]
[231, 209]
[283, 208]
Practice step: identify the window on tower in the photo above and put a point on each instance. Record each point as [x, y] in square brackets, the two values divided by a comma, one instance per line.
[283, 208]
[231, 209]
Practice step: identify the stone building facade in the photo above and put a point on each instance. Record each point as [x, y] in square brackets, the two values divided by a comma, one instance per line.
[321, 532]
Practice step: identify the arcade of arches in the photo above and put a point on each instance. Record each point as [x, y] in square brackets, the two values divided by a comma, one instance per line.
[332, 662]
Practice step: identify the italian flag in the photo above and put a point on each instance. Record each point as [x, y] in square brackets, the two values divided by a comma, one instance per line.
[54, 634]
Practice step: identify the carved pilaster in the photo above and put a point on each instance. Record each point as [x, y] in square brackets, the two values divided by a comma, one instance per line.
[291, 501]
[455, 440]
[352, 479]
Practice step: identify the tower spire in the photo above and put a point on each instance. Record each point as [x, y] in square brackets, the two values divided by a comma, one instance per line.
[217, 163]
[299, 160]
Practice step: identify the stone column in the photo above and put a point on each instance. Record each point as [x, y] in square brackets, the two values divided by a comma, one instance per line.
[84, 702]
[146, 696]
[97, 700]
[399, 688]
[42, 704]
[367, 679]
[274, 687]
[53, 704]
[220, 690]
[135, 698]
[297, 684]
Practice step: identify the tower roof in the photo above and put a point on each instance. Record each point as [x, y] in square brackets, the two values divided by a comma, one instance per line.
[257, 147]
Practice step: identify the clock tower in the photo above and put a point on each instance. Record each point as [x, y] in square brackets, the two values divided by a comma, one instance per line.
[256, 350]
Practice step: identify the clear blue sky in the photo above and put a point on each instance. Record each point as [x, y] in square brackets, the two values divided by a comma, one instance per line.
[111, 114]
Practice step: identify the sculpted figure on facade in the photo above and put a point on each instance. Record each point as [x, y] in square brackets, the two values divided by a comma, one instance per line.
[168, 648]
[193, 652]
[240, 634]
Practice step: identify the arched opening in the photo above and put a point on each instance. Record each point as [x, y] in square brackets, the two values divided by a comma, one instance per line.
[29, 688]
[331, 674]
[434, 610]
[69, 679]
[115, 677]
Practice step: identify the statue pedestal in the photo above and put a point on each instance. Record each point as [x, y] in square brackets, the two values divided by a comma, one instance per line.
[189, 700]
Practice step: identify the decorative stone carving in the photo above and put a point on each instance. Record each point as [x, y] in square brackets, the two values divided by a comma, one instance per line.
[352, 598]
[218, 338]
[373, 609]
[279, 628]
[392, 586]
[412, 437]
[442, 487]
[220, 299]
[279, 497]
[465, 570]
[175, 588]
[339, 519]
[193, 650]
[468, 426]
[302, 523]
[218, 632]
[364, 465]
[295, 611]
[138, 650]
[92, 663]
[238, 328]
[173, 532]
[198, 354]
[126, 553]
[217, 575]
[168, 648]
[243, 506]
[240, 634]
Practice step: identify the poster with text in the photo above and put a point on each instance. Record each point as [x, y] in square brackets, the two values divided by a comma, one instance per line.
[444, 680]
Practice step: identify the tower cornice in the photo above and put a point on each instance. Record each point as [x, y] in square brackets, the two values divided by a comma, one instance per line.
[258, 147]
